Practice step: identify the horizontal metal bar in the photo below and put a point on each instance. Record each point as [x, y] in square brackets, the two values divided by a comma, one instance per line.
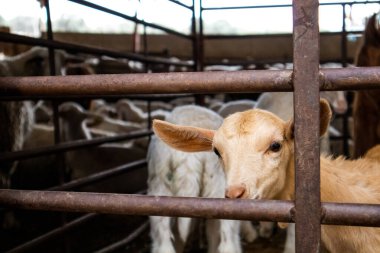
[124, 84]
[246, 81]
[53, 233]
[274, 35]
[280, 6]
[181, 4]
[266, 210]
[125, 241]
[69, 146]
[134, 19]
[245, 7]
[243, 62]
[351, 3]
[351, 214]
[13, 38]
[263, 210]
[100, 176]
[350, 78]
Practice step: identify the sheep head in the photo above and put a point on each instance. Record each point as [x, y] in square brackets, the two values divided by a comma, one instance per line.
[255, 147]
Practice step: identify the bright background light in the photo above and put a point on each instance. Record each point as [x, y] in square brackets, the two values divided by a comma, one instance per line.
[69, 16]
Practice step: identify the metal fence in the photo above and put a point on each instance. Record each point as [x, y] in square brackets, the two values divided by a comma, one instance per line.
[306, 80]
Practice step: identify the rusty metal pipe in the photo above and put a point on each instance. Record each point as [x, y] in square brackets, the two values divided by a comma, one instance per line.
[359, 78]
[74, 184]
[306, 84]
[124, 84]
[279, 6]
[69, 146]
[246, 7]
[147, 205]
[273, 35]
[350, 214]
[265, 210]
[187, 82]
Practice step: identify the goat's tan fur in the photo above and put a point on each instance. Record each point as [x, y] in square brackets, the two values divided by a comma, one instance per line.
[255, 171]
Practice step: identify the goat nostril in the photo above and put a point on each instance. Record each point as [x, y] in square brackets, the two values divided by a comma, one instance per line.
[226, 194]
[240, 192]
[235, 192]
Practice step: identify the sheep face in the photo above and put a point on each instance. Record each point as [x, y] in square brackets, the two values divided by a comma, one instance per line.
[255, 147]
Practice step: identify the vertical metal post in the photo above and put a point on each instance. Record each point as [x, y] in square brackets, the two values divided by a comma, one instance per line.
[145, 41]
[57, 136]
[201, 38]
[57, 130]
[306, 116]
[343, 48]
[136, 48]
[200, 98]
[346, 134]
[50, 37]
[195, 39]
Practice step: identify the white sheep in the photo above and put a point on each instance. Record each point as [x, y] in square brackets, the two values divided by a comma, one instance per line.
[84, 162]
[175, 173]
[16, 122]
[101, 107]
[128, 111]
[268, 171]
[105, 123]
[154, 105]
[236, 106]
[281, 104]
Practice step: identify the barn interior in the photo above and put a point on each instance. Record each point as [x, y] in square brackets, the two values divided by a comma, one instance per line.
[98, 142]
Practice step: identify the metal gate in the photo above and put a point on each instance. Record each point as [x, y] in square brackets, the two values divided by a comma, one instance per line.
[306, 80]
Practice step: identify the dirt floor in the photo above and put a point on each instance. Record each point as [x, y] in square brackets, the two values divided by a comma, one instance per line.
[275, 244]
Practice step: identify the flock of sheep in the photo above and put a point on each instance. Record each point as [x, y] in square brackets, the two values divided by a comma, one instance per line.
[172, 172]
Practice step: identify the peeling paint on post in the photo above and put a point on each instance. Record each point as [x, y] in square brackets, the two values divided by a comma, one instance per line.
[306, 106]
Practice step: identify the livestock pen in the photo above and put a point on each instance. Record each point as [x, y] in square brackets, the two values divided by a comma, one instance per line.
[307, 211]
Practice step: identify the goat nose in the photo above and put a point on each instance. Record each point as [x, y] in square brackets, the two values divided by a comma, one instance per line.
[235, 192]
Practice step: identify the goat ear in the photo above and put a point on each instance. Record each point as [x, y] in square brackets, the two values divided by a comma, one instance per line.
[289, 130]
[184, 138]
[324, 117]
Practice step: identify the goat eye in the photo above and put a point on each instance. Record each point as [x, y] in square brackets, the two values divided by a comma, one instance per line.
[217, 152]
[275, 146]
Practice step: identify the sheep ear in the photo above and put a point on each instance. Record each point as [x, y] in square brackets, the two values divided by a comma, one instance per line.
[324, 119]
[184, 138]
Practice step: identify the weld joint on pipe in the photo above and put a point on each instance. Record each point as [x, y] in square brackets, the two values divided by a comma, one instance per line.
[291, 81]
[293, 214]
[323, 213]
[324, 84]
